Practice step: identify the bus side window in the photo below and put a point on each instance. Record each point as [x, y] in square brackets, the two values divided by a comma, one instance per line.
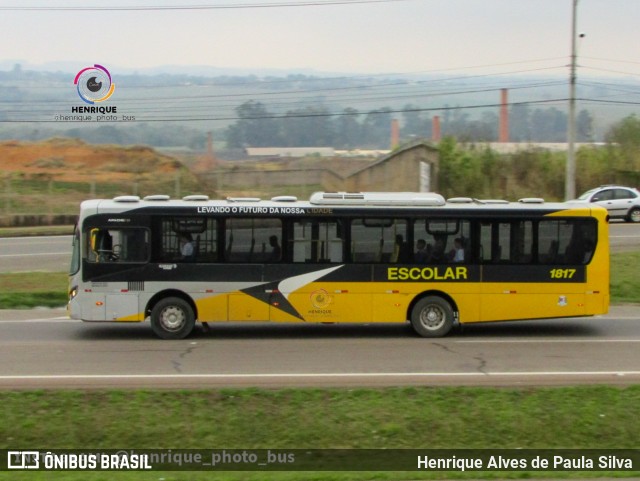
[118, 245]
[445, 241]
[316, 241]
[495, 242]
[567, 241]
[173, 233]
[253, 240]
[380, 240]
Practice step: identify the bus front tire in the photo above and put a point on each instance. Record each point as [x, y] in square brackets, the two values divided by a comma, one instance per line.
[172, 318]
[432, 317]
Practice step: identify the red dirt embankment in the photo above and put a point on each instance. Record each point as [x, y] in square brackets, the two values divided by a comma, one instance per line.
[72, 160]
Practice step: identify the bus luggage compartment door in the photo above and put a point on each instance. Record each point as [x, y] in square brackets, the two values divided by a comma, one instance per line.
[93, 307]
[122, 307]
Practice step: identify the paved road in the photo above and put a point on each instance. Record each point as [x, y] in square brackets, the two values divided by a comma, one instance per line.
[40, 349]
[47, 253]
[624, 236]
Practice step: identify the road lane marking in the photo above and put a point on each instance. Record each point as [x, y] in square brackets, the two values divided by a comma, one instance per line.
[540, 341]
[298, 375]
[35, 254]
[44, 319]
[35, 239]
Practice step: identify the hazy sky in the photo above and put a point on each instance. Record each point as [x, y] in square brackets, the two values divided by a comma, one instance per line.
[399, 36]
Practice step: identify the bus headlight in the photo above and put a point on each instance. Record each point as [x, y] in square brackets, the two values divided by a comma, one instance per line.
[73, 292]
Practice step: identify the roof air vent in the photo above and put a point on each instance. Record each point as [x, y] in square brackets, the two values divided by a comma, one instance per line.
[127, 198]
[377, 198]
[156, 198]
[196, 198]
[243, 199]
[284, 198]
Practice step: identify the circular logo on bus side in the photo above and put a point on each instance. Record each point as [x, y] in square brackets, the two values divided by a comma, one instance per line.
[320, 299]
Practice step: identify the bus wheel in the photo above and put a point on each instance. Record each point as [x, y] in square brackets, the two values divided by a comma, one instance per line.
[432, 317]
[172, 318]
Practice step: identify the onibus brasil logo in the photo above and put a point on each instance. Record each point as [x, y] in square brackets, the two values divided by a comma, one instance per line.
[94, 84]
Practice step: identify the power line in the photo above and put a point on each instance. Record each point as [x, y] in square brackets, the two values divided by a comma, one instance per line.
[621, 72]
[136, 107]
[314, 114]
[226, 6]
[611, 60]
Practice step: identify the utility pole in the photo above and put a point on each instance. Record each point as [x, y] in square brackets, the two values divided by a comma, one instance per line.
[570, 177]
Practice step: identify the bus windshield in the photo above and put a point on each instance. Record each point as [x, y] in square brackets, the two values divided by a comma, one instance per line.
[75, 252]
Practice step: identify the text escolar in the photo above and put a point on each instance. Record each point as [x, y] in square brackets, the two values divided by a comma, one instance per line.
[427, 273]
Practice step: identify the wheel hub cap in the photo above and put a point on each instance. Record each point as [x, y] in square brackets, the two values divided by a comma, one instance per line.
[172, 318]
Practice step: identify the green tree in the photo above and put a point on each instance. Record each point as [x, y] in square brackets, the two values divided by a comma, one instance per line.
[413, 123]
[255, 127]
[624, 149]
[377, 128]
[308, 127]
[347, 129]
[549, 125]
[584, 126]
[520, 123]
[459, 171]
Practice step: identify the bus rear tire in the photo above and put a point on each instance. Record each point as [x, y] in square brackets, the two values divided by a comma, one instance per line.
[172, 318]
[432, 316]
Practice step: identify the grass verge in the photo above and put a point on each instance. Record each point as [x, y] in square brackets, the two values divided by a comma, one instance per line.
[24, 290]
[583, 417]
[625, 282]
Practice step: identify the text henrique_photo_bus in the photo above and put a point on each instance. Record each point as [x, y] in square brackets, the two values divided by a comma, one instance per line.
[373, 257]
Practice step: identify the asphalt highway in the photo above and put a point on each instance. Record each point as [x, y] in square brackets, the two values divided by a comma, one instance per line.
[44, 349]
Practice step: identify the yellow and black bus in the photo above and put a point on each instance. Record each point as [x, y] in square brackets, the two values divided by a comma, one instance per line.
[337, 258]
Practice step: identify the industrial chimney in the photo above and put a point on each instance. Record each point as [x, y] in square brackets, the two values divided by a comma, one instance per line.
[503, 135]
[435, 129]
[395, 133]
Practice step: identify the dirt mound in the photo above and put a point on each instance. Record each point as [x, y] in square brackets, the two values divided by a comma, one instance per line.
[73, 160]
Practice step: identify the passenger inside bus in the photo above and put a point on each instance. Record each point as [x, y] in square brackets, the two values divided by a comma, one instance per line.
[276, 251]
[457, 253]
[438, 254]
[422, 253]
[187, 249]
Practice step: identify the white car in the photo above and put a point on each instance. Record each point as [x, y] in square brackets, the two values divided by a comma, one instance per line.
[621, 202]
